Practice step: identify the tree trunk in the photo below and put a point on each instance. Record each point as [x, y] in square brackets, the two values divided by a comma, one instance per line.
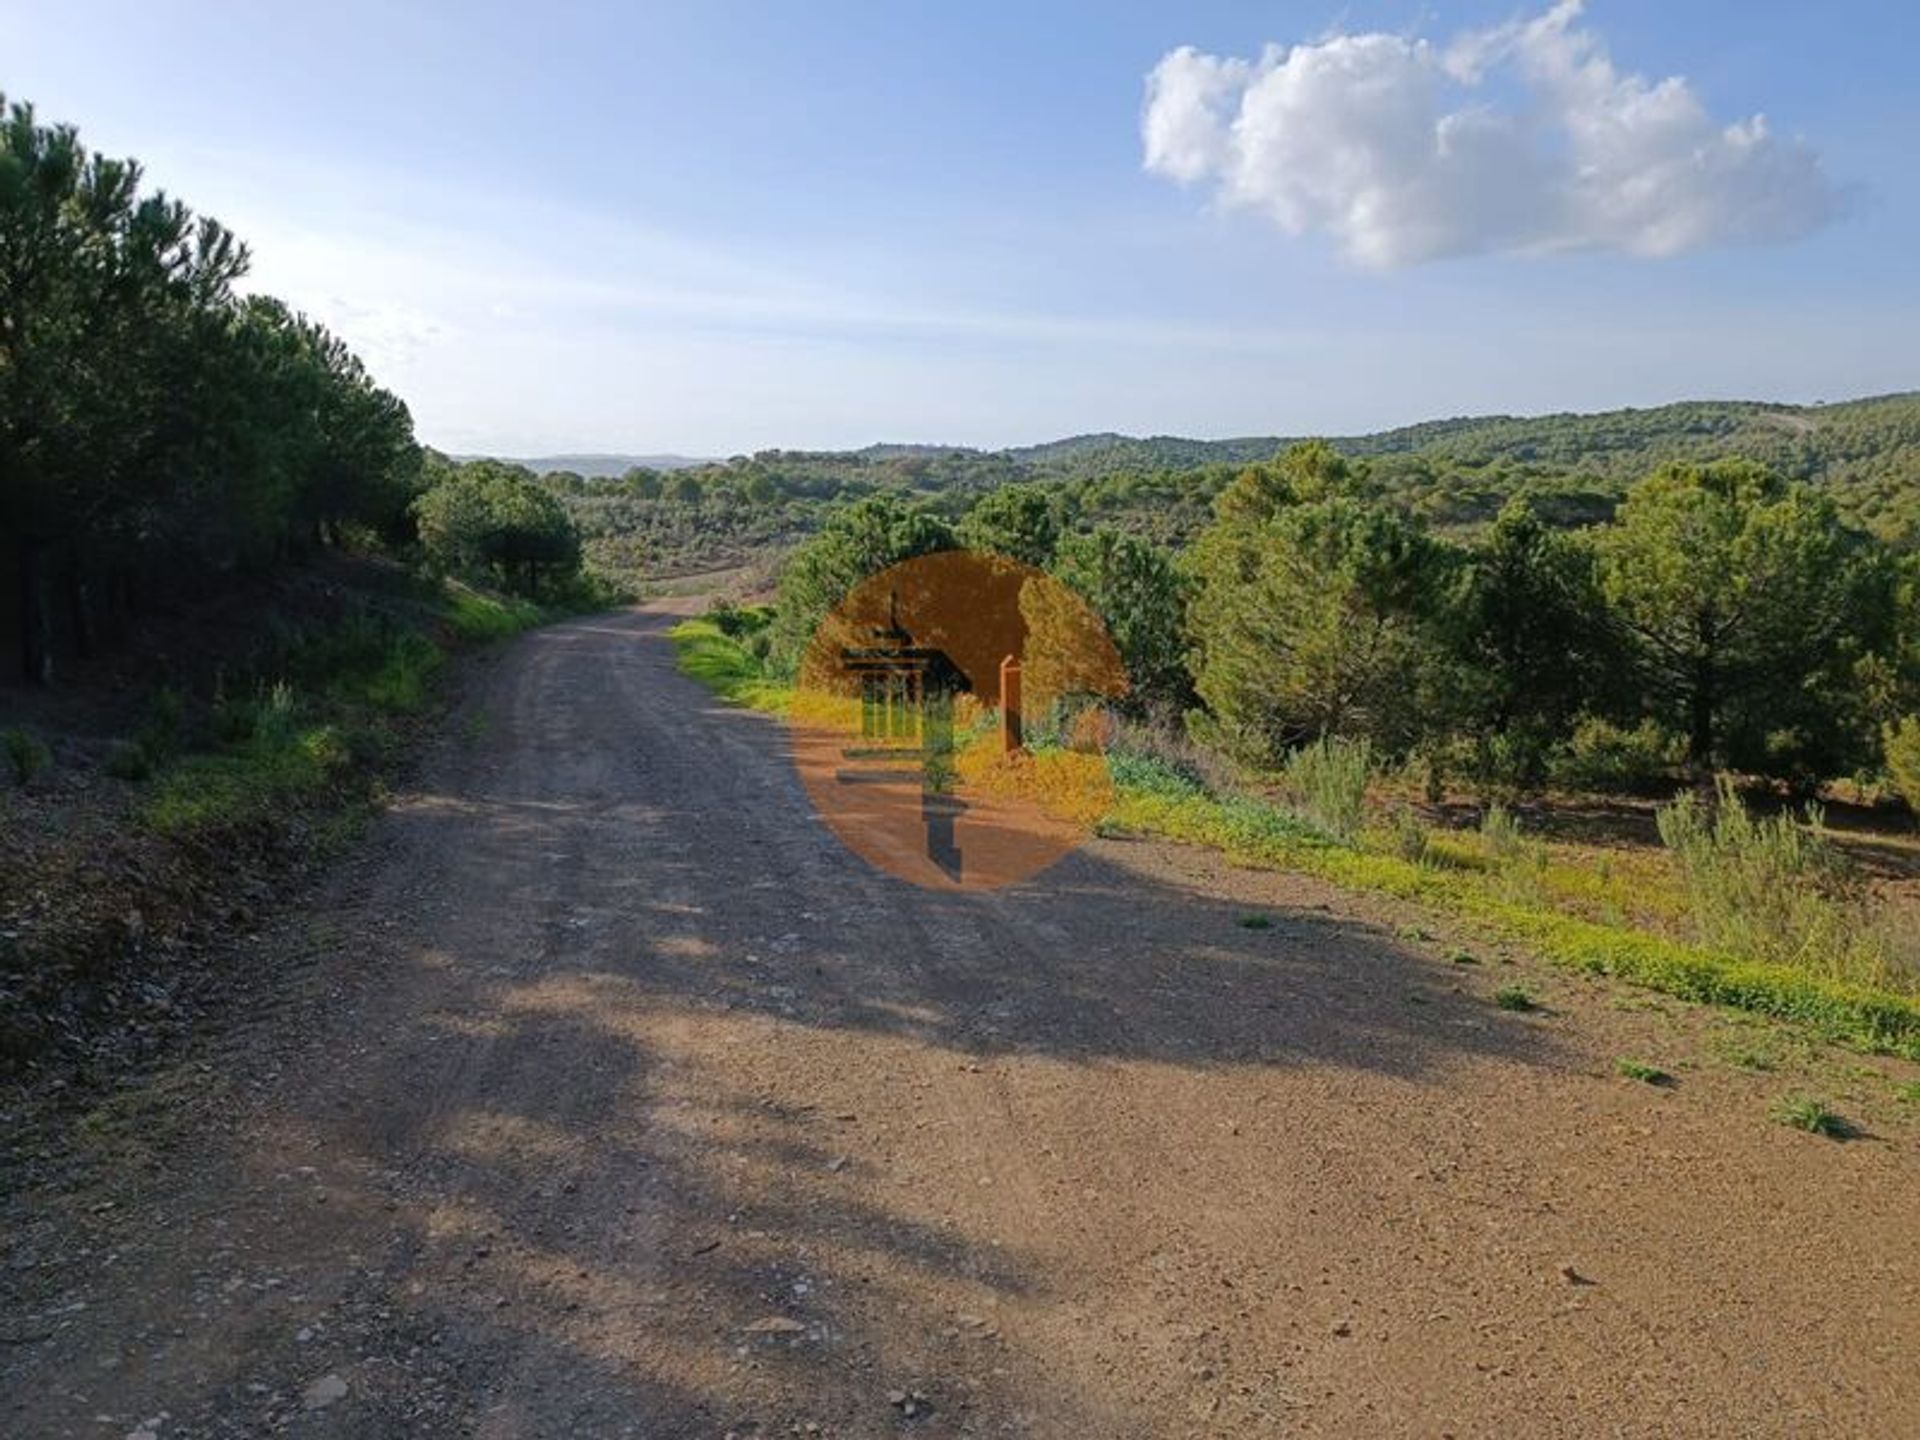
[119, 600]
[80, 607]
[1704, 706]
[36, 610]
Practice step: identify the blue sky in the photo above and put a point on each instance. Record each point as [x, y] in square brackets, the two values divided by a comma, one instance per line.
[716, 227]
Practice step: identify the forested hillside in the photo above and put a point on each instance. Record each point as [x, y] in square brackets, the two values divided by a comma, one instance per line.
[1456, 474]
[229, 582]
[164, 433]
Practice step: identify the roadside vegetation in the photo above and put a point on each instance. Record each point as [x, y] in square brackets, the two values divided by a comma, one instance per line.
[1322, 683]
[317, 721]
[229, 578]
[140, 831]
[166, 437]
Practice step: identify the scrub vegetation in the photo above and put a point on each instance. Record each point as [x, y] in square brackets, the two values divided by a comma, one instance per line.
[1604, 741]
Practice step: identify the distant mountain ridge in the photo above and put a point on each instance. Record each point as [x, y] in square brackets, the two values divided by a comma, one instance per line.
[598, 467]
[1592, 440]
[1454, 473]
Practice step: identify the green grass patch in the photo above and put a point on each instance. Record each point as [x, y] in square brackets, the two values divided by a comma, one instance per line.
[723, 664]
[1801, 1112]
[1643, 1072]
[1743, 1054]
[1859, 1016]
[1516, 998]
[402, 681]
[475, 616]
[367, 663]
[318, 728]
[248, 784]
[1256, 922]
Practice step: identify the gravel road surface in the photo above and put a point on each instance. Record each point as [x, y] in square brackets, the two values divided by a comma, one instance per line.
[605, 1093]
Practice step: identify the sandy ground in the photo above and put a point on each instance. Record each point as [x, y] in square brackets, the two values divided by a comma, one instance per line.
[604, 1093]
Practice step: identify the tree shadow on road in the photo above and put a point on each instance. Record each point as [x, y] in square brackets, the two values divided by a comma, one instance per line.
[621, 1136]
[609, 1218]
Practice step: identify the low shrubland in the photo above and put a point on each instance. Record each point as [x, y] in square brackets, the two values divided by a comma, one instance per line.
[1874, 1010]
[1775, 888]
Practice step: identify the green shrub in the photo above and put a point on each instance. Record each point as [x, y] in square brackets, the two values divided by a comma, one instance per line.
[1643, 1072]
[1152, 775]
[1170, 751]
[1409, 837]
[588, 592]
[1510, 762]
[1501, 831]
[1772, 888]
[1903, 760]
[1603, 757]
[737, 622]
[1517, 863]
[1814, 1116]
[1328, 780]
[270, 710]
[1515, 997]
[26, 756]
[155, 742]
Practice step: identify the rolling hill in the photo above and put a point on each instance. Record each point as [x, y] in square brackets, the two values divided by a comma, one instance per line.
[1455, 472]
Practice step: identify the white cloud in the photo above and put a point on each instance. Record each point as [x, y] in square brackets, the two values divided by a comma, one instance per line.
[1393, 147]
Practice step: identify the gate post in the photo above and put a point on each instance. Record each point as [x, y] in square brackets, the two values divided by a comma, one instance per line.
[1010, 739]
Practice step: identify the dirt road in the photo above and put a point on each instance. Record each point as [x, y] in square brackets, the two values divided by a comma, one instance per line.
[613, 1097]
